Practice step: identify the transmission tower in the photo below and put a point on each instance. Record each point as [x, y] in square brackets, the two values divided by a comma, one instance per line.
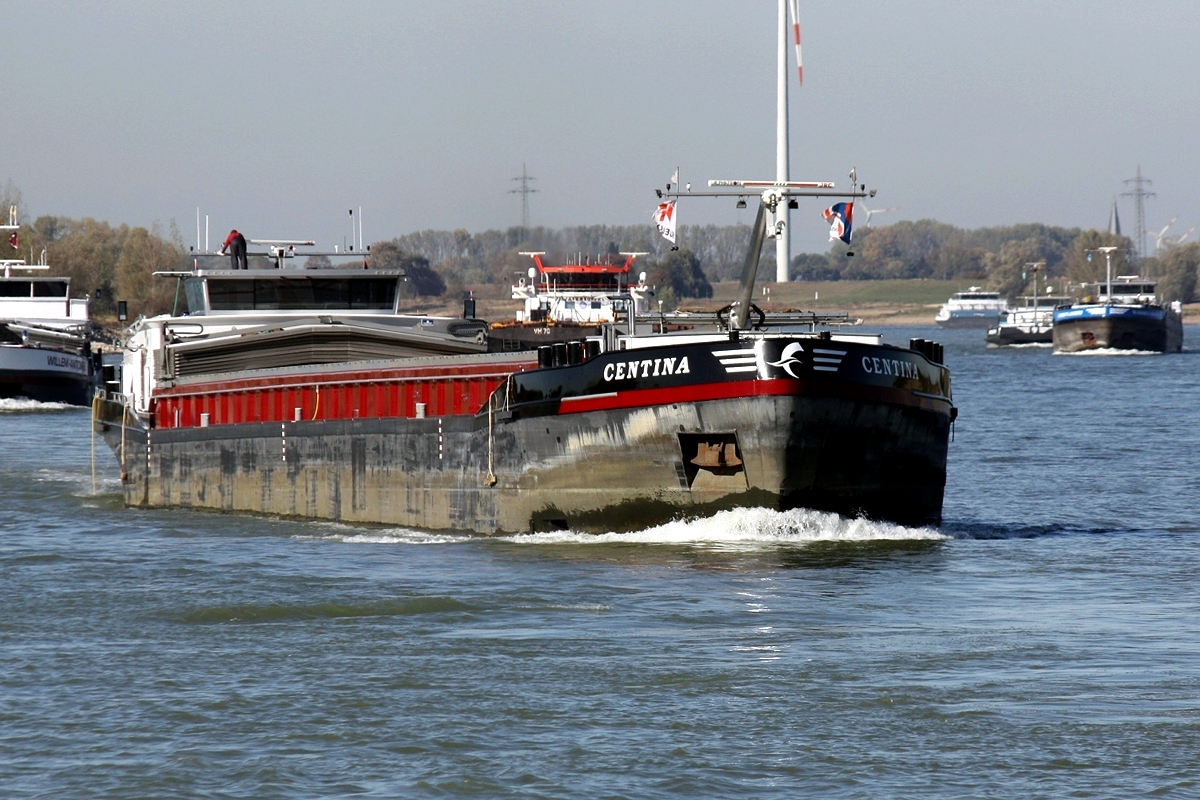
[1139, 195]
[524, 191]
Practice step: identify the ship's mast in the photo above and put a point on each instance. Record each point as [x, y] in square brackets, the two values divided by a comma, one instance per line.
[783, 237]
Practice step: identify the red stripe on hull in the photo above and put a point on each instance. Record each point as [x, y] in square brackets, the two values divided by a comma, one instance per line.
[750, 388]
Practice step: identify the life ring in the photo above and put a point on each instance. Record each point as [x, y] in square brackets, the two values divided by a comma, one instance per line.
[723, 316]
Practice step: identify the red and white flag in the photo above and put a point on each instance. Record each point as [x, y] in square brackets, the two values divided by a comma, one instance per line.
[16, 245]
[664, 218]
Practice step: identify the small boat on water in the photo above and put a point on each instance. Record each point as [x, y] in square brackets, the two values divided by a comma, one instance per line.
[45, 335]
[306, 393]
[973, 308]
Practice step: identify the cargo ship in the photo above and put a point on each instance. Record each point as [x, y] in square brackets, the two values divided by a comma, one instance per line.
[1122, 313]
[305, 393]
[45, 334]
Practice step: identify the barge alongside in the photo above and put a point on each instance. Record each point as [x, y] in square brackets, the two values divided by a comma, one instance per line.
[571, 301]
[45, 335]
[303, 393]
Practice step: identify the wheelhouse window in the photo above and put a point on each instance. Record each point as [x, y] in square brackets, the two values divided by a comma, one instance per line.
[15, 289]
[300, 294]
[49, 288]
[33, 288]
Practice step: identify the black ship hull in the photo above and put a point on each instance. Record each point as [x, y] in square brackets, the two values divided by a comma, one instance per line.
[517, 336]
[625, 440]
[47, 376]
[1153, 329]
[1003, 335]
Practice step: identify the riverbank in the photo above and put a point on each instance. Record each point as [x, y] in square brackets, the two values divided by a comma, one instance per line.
[876, 303]
[889, 302]
[899, 302]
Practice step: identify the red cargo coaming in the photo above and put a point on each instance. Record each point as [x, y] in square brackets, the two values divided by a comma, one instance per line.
[445, 391]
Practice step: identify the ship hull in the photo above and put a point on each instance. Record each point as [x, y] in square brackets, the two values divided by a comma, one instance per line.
[47, 376]
[981, 320]
[607, 445]
[512, 337]
[1014, 334]
[599, 471]
[1152, 329]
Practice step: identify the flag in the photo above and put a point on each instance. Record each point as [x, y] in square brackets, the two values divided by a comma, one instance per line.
[794, 7]
[16, 245]
[664, 217]
[842, 221]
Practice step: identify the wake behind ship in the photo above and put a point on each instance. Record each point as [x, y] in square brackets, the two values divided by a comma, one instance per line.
[305, 393]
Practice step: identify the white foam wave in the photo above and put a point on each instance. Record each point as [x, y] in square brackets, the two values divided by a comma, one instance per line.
[745, 528]
[16, 405]
[749, 528]
[82, 484]
[348, 533]
[1111, 351]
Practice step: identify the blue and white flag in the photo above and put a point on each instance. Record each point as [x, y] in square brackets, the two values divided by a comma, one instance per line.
[841, 217]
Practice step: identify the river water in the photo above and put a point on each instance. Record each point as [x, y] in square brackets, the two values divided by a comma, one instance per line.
[1044, 642]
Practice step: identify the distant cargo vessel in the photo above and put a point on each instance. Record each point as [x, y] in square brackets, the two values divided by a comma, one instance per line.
[1126, 315]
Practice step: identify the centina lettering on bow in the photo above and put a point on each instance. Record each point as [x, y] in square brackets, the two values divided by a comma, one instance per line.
[890, 366]
[646, 368]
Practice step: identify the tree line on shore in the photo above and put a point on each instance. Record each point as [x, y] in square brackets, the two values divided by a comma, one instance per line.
[110, 262]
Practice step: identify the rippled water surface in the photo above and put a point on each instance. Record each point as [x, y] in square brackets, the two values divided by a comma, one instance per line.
[1044, 642]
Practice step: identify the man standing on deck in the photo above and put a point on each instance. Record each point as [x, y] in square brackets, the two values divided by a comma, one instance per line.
[235, 243]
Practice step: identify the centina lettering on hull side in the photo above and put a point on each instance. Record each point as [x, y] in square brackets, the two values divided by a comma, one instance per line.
[646, 368]
[890, 366]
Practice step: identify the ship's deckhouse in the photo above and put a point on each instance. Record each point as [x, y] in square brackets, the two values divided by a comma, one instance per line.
[258, 291]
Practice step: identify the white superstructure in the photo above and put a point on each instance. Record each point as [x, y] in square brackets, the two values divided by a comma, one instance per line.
[973, 308]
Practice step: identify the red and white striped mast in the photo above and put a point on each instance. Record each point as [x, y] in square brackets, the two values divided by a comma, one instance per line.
[783, 237]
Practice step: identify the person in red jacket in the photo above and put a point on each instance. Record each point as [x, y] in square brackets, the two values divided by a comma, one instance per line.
[235, 243]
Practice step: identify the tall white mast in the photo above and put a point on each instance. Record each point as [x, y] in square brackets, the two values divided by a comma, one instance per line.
[783, 239]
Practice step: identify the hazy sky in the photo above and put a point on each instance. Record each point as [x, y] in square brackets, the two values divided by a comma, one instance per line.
[277, 117]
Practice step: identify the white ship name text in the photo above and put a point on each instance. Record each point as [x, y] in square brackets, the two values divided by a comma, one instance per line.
[890, 366]
[646, 368]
